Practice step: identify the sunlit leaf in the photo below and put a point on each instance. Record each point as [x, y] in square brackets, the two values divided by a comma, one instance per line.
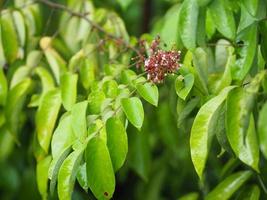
[46, 117]
[78, 120]
[67, 174]
[9, 38]
[149, 92]
[133, 109]
[240, 128]
[63, 136]
[226, 188]
[183, 85]
[203, 130]
[68, 86]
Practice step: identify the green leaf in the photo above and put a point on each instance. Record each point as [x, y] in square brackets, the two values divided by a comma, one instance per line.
[54, 169]
[262, 130]
[100, 174]
[19, 75]
[76, 60]
[46, 117]
[82, 177]
[220, 130]
[203, 2]
[63, 136]
[78, 120]
[13, 108]
[246, 52]
[210, 26]
[203, 130]
[85, 28]
[127, 77]
[3, 87]
[46, 79]
[33, 58]
[263, 44]
[67, 174]
[223, 18]
[169, 33]
[95, 101]
[9, 38]
[19, 23]
[133, 109]
[56, 63]
[124, 3]
[98, 127]
[68, 86]
[42, 175]
[149, 92]
[140, 153]
[190, 196]
[183, 85]
[117, 142]
[110, 88]
[200, 61]
[250, 193]
[187, 110]
[47, 83]
[226, 78]
[187, 24]
[245, 19]
[251, 6]
[229, 186]
[69, 34]
[87, 72]
[240, 127]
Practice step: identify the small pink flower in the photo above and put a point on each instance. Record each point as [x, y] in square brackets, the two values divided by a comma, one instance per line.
[160, 62]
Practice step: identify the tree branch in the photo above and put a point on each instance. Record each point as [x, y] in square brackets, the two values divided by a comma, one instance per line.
[92, 23]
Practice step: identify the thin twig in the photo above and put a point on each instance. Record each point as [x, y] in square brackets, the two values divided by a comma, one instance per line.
[92, 23]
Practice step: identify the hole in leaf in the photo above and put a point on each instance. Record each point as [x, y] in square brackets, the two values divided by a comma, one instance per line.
[106, 194]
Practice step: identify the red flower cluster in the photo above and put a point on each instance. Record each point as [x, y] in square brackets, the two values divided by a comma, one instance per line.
[161, 62]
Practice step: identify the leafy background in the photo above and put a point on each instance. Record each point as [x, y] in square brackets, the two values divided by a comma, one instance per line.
[67, 90]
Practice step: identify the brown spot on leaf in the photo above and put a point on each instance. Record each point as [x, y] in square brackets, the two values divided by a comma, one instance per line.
[106, 194]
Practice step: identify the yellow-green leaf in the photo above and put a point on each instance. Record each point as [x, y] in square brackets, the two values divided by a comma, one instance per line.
[46, 117]
[133, 109]
[67, 174]
[229, 186]
[68, 87]
[9, 38]
[183, 85]
[203, 130]
[149, 92]
[78, 120]
[240, 128]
